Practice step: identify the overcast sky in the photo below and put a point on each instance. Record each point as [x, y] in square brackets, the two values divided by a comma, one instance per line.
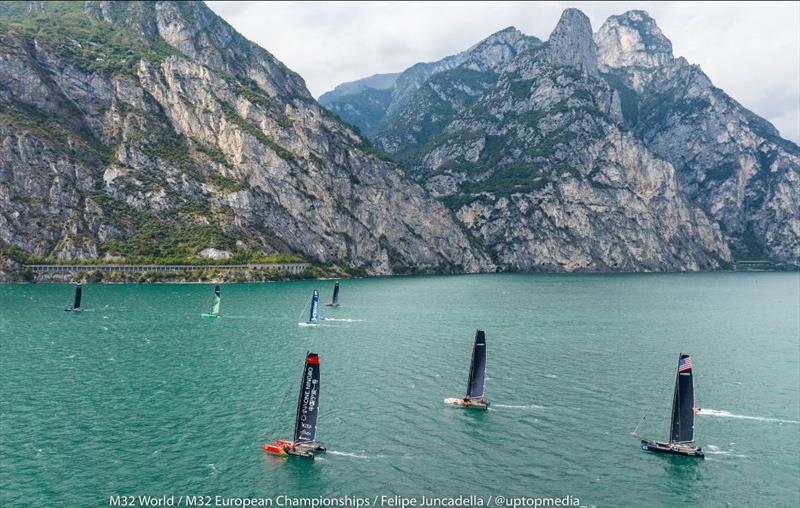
[750, 50]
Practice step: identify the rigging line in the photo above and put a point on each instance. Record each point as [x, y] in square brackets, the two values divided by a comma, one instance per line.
[280, 405]
[636, 430]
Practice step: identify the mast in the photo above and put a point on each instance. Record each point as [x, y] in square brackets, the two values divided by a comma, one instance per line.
[76, 304]
[314, 312]
[477, 367]
[215, 304]
[335, 300]
[682, 424]
[305, 425]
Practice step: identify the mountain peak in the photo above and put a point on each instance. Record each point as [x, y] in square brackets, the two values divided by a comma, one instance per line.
[571, 42]
[632, 39]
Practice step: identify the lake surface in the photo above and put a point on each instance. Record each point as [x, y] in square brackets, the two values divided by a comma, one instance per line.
[138, 395]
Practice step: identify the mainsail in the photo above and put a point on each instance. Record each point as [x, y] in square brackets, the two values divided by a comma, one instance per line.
[305, 428]
[76, 304]
[477, 369]
[335, 300]
[215, 304]
[683, 403]
[313, 315]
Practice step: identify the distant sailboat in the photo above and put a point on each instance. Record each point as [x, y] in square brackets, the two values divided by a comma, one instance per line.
[681, 439]
[335, 299]
[304, 443]
[214, 305]
[76, 302]
[477, 377]
[313, 312]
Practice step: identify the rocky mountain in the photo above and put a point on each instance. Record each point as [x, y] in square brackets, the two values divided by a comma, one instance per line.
[153, 129]
[729, 161]
[390, 107]
[370, 98]
[601, 151]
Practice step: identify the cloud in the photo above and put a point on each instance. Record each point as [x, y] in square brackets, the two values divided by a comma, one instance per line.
[749, 49]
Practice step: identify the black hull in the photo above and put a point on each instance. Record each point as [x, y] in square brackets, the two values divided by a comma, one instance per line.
[668, 449]
[331, 305]
[306, 450]
[297, 453]
[70, 309]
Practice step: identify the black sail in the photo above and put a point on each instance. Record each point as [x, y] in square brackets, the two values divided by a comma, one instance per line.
[305, 429]
[335, 300]
[477, 369]
[683, 403]
[76, 304]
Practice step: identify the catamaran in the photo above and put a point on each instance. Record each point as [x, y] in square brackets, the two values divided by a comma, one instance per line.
[335, 299]
[313, 313]
[304, 443]
[477, 377]
[681, 439]
[76, 302]
[214, 314]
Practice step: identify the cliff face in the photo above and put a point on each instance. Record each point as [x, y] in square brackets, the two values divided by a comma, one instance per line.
[154, 129]
[542, 172]
[730, 162]
[601, 151]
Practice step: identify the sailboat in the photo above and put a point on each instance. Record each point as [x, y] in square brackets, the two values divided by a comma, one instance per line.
[681, 439]
[313, 313]
[477, 377]
[304, 443]
[76, 302]
[335, 299]
[214, 314]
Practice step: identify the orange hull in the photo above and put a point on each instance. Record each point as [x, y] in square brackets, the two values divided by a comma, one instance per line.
[276, 449]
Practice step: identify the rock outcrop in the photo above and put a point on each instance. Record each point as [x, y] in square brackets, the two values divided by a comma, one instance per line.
[153, 129]
[731, 163]
[601, 151]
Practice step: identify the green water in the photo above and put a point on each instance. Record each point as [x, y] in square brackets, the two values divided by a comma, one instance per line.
[138, 395]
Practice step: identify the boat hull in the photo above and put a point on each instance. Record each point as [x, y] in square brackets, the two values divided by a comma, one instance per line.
[209, 316]
[69, 309]
[672, 449]
[454, 402]
[286, 448]
[331, 305]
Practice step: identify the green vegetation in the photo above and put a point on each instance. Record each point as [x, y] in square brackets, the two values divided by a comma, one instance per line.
[14, 253]
[78, 40]
[157, 237]
[520, 89]
[249, 90]
[231, 115]
[227, 183]
[212, 153]
[239, 257]
[369, 149]
[438, 112]
[60, 136]
[171, 148]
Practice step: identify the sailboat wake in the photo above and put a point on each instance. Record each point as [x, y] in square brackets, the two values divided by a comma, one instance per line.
[716, 450]
[508, 406]
[345, 320]
[352, 455]
[314, 325]
[726, 414]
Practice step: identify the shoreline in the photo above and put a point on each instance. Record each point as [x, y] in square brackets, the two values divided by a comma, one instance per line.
[345, 276]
